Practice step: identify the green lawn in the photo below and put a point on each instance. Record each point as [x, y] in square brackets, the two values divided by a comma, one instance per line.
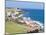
[13, 27]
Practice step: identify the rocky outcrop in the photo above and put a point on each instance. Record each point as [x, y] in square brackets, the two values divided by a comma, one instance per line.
[31, 26]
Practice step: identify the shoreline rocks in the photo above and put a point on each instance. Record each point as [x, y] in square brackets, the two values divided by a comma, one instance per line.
[32, 27]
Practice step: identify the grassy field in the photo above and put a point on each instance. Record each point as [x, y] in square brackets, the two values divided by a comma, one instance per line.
[13, 27]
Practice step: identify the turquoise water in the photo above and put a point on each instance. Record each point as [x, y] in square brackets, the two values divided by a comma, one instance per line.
[37, 15]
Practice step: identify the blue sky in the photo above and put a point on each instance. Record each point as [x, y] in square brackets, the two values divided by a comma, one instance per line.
[30, 5]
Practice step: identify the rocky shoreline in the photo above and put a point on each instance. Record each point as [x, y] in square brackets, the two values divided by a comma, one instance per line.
[32, 26]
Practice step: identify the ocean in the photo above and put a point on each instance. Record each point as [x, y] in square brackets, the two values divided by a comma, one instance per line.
[34, 14]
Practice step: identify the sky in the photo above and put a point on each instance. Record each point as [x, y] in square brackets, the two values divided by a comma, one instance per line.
[19, 4]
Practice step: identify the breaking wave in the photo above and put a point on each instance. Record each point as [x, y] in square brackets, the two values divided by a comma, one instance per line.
[38, 22]
[41, 24]
[30, 19]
